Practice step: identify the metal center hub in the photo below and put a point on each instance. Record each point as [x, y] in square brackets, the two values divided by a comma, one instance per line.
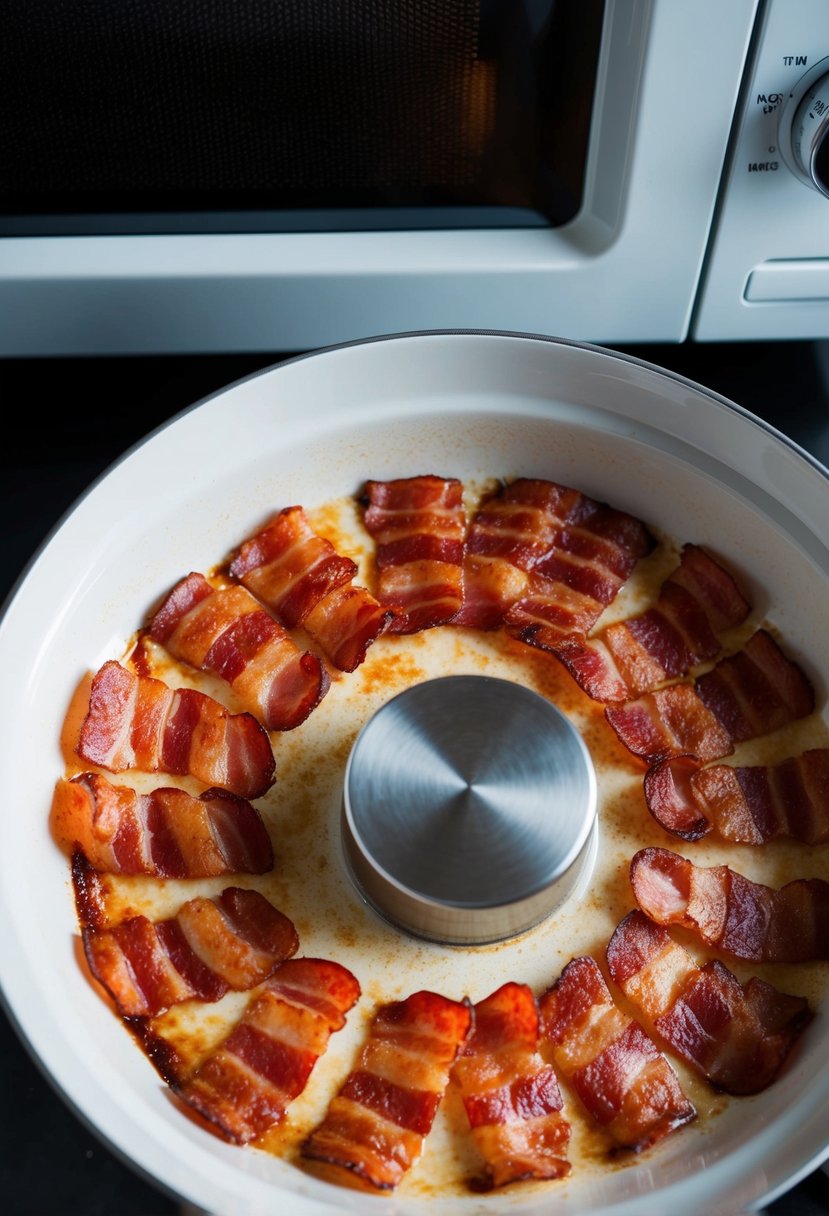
[468, 809]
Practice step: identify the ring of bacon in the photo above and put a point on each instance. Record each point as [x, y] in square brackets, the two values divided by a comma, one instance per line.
[138, 722]
[510, 1094]
[306, 583]
[419, 528]
[626, 1085]
[726, 910]
[738, 1036]
[374, 1128]
[696, 603]
[226, 632]
[210, 947]
[543, 561]
[247, 1083]
[166, 833]
[746, 805]
[750, 693]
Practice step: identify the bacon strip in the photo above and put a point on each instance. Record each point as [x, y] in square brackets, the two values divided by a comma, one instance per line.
[620, 1077]
[511, 1097]
[746, 805]
[738, 1036]
[166, 833]
[592, 553]
[138, 722]
[375, 1126]
[226, 632]
[305, 582]
[207, 949]
[419, 526]
[246, 1085]
[512, 529]
[750, 693]
[696, 602]
[727, 910]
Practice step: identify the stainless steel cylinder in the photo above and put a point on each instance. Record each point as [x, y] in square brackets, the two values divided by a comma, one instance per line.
[468, 809]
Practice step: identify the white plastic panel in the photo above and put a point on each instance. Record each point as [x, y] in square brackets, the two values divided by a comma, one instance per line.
[626, 269]
[764, 277]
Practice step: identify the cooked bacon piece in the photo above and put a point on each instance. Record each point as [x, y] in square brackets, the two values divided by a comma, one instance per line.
[375, 1126]
[208, 948]
[305, 582]
[138, 722]
[592, 554]
[738, 1036]
[746, 805]
[623, 1081]
[512, 529]
[166, 833]
[511, 1097]
[419, 527]
[727, 910]
[697, 601]
[246, 1085]
[750, 693]
[226, 632]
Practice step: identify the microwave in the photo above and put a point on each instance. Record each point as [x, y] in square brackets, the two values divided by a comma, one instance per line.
[287, 174]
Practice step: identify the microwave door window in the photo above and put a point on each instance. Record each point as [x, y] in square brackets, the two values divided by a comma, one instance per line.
[273, 115]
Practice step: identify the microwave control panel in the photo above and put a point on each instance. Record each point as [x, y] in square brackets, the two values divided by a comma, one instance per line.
[767, 269]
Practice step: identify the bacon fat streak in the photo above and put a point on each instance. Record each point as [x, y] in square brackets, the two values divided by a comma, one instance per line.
[210, 947]
[226, 631]
[746, 805]
[166, 833]
[247, 1084]
[746, 695]
[738, 1036]
[696, 603]
[727, 910]
[620, 1077]
[138, 722]
[375, 1126]
[419, 527]
[511, 1096]
[305, 582]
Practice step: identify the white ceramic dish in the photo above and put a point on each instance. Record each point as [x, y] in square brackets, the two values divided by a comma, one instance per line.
[464, 404]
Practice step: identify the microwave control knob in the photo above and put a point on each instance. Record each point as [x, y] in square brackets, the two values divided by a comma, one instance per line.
[810, 135]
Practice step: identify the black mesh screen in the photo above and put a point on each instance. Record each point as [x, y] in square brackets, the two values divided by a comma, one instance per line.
[129, 106]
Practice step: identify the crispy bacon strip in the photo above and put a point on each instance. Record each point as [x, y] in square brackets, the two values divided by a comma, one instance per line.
[620, 1077]
[738, 1036]
[208, 948]
[727, 910]
[748, 694]
[512, 529]
[419, 527]
[746, 805]
[511, 1096]
[592, 553]
[226, 632]
[375, 1126]
[138, 722]
[305, 582]
[167, 833]
[696, 602]
[246, 1085]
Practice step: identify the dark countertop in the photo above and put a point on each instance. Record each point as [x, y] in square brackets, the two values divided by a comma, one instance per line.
[73, 417]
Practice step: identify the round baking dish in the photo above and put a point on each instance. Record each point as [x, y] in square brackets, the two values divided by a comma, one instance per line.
[471, 405]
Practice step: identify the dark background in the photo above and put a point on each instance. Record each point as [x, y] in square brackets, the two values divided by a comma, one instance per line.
[66, 421]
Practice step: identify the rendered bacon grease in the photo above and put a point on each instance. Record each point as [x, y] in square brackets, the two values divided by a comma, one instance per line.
[224, 985]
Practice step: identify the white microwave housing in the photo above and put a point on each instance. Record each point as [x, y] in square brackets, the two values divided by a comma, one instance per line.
[670, 232]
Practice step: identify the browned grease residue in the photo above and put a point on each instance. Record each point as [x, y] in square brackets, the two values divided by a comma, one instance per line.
[309, 885]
